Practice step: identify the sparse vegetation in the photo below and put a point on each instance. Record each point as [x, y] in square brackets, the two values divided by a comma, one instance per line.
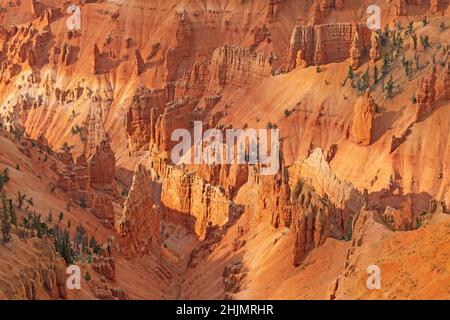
[270, 125]
[409, 28]
[76, 129]
[4, 178]
[425, 42]
[65, 147]
[424, 21]
[390, 88]
[5, 220]
[386, 64]
[20, 199]
[350, 73]
[375, 74]
[83, 203]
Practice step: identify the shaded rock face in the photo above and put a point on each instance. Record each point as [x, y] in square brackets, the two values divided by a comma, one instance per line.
[310, 221]
[365, 109]
[326, 43]
[236, 67]
[139, 223]
[193, 203]
[229, 177]
[272, 9]
[141, 117]
[311, 217]
[178, 114]
[180, 48]
[405, 218]
[426, 96]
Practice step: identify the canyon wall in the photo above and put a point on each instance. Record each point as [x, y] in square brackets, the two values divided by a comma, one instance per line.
[326, 43]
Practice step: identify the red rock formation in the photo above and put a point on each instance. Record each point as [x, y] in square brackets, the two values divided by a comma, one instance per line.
[178, 114]
[105, 266]
[375, 49]
[180, 48]
[437, 5]
[427, 94]
[322, 8]
[273, 7]
[191, 202]
[140, 64]
[139, 223]
[103, 209]
[300, 62]
[355, 53]
[403, 219]
[365, 109]
[446, 82]
[276, 209]
[41, 273]
[95, 129]
[310, 221]
[102, 166]
[323, 44]
[237, 67]
[195, 82]
[68, 55]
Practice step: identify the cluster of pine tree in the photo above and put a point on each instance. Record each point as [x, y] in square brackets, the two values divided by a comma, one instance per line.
[80, 247]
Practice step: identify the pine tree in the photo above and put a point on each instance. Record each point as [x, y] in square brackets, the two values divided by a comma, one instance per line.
[366, 78]
[390, 88]
[409, 28]
[87, 276]
[375, 74]
[350, 73]
[20, 199]
[12, 212]
[94, 245]
[385, 66]
[4, 178]
[5, 221]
